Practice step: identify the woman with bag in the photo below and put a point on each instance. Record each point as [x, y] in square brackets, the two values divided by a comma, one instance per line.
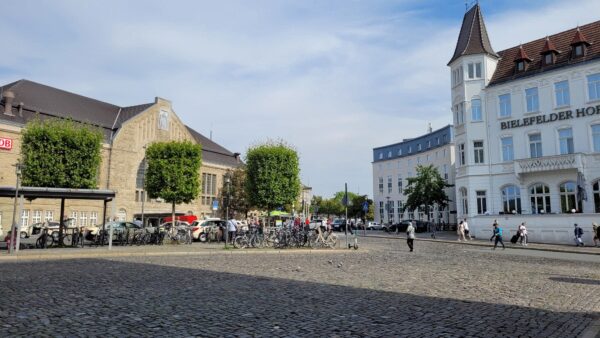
[460, 231]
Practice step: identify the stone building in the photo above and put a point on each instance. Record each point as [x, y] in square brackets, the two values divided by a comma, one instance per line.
[393, 164]
[127, 131]
[527, 130]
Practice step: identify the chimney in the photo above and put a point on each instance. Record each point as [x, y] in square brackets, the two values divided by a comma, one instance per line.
[8, 100]
[237, 156]
[429, 130]
[20, 109]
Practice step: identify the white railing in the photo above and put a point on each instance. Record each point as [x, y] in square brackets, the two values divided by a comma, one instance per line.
[548, 163]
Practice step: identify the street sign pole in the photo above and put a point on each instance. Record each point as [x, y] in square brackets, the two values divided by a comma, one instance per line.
[346, 205]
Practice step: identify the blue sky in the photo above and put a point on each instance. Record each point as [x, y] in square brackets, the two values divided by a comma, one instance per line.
[332, 78]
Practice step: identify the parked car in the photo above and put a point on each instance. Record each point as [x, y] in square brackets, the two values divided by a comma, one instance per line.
[338, 224]
[374, 226]
[204, 229]
[420, 226]
[53, 228]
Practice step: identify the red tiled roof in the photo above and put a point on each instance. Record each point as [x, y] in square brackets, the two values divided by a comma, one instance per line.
[505, 70]
[579, 38]
[473, 37]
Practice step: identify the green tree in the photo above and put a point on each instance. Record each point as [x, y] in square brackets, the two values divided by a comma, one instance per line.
[238, 199]
[61, 154]
[272, 175]
[315, 204]
[173, 172]
[356, 207]
[331, 206]
[426, 190]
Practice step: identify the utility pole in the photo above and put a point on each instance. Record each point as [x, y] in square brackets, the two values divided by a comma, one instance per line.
[15, 231]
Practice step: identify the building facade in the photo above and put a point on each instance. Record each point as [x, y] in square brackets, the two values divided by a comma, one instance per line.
[394, 164]
[527, 130]
[127, 131]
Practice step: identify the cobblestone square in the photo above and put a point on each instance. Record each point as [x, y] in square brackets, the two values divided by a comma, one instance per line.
[381, 290]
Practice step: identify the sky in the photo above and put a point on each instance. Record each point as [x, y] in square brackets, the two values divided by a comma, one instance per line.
[334, 79]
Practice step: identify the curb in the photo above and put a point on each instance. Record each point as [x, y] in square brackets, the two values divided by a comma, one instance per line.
[487, 245]
[109, 254]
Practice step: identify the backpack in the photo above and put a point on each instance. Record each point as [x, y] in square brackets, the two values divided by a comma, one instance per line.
[579, 231]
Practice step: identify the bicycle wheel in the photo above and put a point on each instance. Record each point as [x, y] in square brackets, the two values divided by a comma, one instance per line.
[240, 242]
[331, 241]
[67, 240]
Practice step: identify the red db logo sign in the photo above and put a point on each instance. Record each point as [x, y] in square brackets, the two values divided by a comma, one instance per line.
[6, 143]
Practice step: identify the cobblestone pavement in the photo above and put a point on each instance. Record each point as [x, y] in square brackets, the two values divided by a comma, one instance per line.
[440, 290]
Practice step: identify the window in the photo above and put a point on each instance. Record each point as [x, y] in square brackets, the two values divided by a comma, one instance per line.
[74, 217]
[428, 143]
[549, 59]
[93, 218]
[37, 217]
[511, 199]
[399, 184]
[478, 70]
[481, 202]
[505, 108]
[389, 181]
[381, 185]
[389, 154]
[476, 110]
[596, 137]
[460, 113]
[49, 216]
[578, 50]
[478, 151]
[540, 199]
[418, 160]
[465, 201]
[83, 219]
[381, 211]
[122, 215]
[568, 197]
[399, 206]
[594, 86]
[446, 172]
[533, 103]
[427, 158]
[390, 210]
[565, 141]
[561, 89]
[419, 147]
[507, 149]
[400, 152]
[596, 189]
[535, 145]
[380, 156]
[437, 139]
[521, 66]
[409, 149]
[461, 154]
[24, 218]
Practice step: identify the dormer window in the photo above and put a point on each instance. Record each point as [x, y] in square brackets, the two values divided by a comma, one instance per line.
[521, 60]
[549, 52]
[549, 59]
[579, 44]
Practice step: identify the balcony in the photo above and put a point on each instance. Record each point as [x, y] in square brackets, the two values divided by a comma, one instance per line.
[548, 163]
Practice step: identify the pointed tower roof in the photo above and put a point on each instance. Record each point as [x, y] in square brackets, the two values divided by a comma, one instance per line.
[579, 38]
[473, 37]
[522, 55]
[549, 47]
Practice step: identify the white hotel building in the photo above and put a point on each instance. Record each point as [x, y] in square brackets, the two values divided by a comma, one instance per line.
[527, 131]
[394, 163]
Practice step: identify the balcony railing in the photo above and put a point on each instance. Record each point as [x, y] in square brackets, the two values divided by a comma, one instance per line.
[548, 163]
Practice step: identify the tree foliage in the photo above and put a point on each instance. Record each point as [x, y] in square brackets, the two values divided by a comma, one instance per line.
[61, 154]
[272, 175]
[426, 190]
[238, 199]
[173, 171]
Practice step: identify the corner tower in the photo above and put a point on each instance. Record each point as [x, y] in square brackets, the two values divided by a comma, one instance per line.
[471, 68]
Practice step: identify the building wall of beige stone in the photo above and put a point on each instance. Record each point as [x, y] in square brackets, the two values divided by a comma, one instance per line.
[118, 171]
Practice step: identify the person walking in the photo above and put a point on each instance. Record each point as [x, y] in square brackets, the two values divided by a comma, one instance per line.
[523, 234]
[596, 229]
[231, 228]
[460, 231]
[578, 233]
[466, 230]
[497, 236]
[410, 235]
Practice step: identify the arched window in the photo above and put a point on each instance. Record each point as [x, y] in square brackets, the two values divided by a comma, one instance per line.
[511, 199]
[540, 198]
[568, 197]
[465, 201]
[596, 190]
[141, 173]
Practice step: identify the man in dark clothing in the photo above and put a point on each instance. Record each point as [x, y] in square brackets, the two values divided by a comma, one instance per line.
[578, 233]
[498, 236]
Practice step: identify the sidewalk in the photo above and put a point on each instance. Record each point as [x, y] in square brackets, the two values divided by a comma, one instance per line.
[451, 238]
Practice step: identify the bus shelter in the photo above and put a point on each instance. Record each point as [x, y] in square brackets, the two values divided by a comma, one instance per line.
[62, 194]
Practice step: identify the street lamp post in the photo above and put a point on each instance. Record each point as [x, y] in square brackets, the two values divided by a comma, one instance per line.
[387, 208]
[228, 183]
[14, 231]
[143, 186]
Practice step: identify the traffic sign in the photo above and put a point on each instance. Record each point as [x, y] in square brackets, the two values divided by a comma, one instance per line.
[366, 206]
[215, 205]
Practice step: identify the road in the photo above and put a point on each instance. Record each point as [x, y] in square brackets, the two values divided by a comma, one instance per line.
[381, 290]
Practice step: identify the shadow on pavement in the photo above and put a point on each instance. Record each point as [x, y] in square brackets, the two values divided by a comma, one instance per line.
[94, 297]
[575, 280]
